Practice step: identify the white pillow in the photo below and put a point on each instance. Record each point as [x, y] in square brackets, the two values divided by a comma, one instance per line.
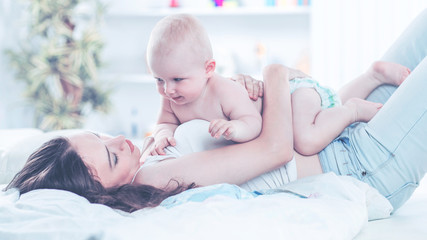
[9, 137]
[14, 155]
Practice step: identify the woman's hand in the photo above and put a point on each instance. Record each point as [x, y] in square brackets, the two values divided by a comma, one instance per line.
[295, 73]
[254, 87]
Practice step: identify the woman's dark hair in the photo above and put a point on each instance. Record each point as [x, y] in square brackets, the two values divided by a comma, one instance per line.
[56, 165]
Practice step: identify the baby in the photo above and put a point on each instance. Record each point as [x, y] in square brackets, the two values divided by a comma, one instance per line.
[179, 55]
[317, 113]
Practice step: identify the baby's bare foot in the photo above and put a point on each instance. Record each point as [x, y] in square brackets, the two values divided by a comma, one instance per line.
[363, 110]
[388, 73]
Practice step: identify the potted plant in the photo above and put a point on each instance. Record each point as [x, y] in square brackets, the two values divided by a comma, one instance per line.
[58, 61]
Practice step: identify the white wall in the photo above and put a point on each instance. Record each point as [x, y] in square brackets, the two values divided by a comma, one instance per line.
[347, 36]
[344, 38]
[127, 26]
[14, 110]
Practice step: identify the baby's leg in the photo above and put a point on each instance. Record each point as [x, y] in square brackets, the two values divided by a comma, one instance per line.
[378, 74]
[315, 128]
[408, 50]
[363, 110]
[387, 73]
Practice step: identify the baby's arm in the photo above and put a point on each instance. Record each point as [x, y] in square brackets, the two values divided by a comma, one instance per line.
[164, 130]
[245, 120]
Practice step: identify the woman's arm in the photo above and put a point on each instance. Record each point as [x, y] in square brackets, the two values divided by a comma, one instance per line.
[238, 163]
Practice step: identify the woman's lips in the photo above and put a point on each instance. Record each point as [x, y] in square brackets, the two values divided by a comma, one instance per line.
[177, 99]
[131, 146]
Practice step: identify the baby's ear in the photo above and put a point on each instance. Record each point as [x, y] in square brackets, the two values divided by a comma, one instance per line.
[210, 67]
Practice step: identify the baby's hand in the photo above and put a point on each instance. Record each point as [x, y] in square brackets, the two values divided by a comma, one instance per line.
[160, 143]
[222, 127]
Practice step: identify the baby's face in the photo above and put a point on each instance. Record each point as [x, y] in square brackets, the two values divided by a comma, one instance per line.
[181, 76]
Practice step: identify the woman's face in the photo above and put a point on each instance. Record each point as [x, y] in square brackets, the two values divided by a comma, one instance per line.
[114, 160]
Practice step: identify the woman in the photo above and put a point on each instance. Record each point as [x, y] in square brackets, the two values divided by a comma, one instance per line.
[389, 152]
[101, 168]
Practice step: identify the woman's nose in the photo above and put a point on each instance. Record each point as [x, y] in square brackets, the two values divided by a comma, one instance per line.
[118, 140]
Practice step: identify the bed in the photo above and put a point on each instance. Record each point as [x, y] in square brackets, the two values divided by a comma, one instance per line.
[322, 207]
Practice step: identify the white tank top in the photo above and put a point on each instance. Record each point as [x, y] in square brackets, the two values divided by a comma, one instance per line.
[193, 136]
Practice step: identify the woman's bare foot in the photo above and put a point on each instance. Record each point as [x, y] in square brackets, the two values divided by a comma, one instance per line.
[363, 110]
[388, 73]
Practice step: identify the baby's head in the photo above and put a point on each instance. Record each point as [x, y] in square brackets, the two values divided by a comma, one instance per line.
[179, 55]
[177, 39]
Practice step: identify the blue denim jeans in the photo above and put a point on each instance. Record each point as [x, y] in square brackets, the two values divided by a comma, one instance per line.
[390, 151]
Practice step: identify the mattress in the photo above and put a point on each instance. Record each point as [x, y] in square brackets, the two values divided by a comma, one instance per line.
[334, 207]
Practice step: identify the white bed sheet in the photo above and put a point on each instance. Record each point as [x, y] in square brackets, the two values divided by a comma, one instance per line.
[408, 222]
[50, 214]
[337, 209]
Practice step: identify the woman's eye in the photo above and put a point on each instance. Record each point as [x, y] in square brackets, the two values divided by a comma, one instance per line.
[159, 80]
[116, 159]
[178, 79]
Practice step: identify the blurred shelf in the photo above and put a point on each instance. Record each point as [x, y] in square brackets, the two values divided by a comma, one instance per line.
[128, 78]
[237, 11]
